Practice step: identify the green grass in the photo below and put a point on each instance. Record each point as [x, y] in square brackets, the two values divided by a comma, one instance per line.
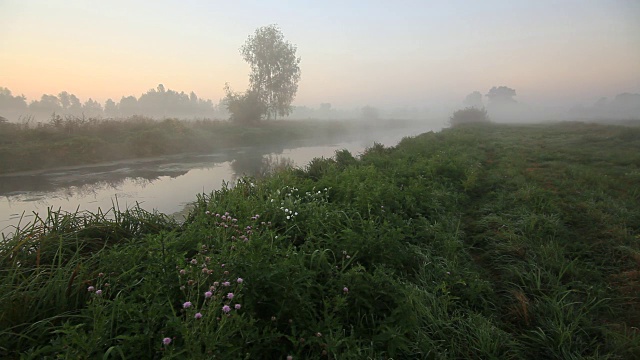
[478, 242]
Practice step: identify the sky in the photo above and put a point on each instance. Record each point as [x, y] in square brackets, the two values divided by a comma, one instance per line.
[354, 53]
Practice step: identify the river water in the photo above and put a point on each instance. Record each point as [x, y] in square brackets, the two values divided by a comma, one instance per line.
[167, 184]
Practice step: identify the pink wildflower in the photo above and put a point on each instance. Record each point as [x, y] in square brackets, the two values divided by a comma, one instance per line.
[226, 309]
[166, 341]
[230, 296]
[238, 306]
[98, 292]
[198, 315]
[208, 294]
[187, 305]
[240, 280]
[91, 289]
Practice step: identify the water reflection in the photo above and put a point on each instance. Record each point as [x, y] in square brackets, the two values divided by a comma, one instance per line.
[258, 165]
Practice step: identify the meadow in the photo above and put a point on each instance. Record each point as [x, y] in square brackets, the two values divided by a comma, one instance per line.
[477, 242]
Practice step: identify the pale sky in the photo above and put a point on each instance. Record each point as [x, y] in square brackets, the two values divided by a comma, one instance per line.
[383, 53]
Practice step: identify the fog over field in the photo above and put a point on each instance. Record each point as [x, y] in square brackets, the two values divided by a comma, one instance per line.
[522, 60]
[353, 179]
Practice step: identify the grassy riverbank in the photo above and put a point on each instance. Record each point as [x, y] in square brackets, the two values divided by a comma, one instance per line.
[509, 242]
[78, 141]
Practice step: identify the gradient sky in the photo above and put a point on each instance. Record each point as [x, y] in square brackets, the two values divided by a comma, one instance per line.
[384, 53]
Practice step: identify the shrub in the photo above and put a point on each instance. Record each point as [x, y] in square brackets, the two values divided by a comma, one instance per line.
[245, 108]
[470, 115]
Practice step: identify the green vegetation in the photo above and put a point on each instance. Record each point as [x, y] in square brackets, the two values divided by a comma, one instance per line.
[77, 141]
[469, 115]
[479, 242]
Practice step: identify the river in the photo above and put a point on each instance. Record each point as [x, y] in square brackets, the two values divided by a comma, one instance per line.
[167, 184]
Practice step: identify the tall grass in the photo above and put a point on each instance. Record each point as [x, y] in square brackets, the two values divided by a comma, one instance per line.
[475, 243]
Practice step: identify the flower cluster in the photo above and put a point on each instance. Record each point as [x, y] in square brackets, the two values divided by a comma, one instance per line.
[210, 289]
[230, 223]
[99, 282]
[289, 213]
[221, 288]
[290, 201]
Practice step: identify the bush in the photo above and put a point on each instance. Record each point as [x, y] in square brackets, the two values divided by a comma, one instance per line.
[246, 108]
[470, 115]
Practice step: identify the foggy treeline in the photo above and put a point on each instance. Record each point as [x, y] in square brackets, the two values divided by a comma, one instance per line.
[157, 103]
[622, 106]
[166, 103]
[502, 106]
[160, 103]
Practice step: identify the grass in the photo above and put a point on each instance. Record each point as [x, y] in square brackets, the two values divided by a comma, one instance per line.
[73, 141]
[478, 242]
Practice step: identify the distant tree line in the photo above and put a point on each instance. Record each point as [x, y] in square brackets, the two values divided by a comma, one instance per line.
[501, 105]
[157, 103]
[160, 104]
[622, 106]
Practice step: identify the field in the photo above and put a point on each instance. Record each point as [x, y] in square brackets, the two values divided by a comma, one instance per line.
[477, 242]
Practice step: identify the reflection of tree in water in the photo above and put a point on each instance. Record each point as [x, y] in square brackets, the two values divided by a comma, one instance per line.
[82, 183]
[86, 190]
[258, 165]
[93, 189]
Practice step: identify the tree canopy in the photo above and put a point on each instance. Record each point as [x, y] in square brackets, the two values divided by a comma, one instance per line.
[275, 69]
[501, 95]
[474, 100]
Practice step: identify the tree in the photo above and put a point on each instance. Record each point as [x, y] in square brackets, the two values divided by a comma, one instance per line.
[325, 110]
[128, 106]
[12, 106]
[92, 108]
[370, 113]
[7, 100]
[110, 108]
[474, 100]
[275, 69]
[501, 95]
[46, 105]
[70, 103]
[470, 115]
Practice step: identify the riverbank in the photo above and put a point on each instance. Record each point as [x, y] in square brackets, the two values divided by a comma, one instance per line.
[496, 241]
[76, 142]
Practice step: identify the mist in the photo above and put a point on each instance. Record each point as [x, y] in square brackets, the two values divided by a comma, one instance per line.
[502, 103]
[414, 60]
